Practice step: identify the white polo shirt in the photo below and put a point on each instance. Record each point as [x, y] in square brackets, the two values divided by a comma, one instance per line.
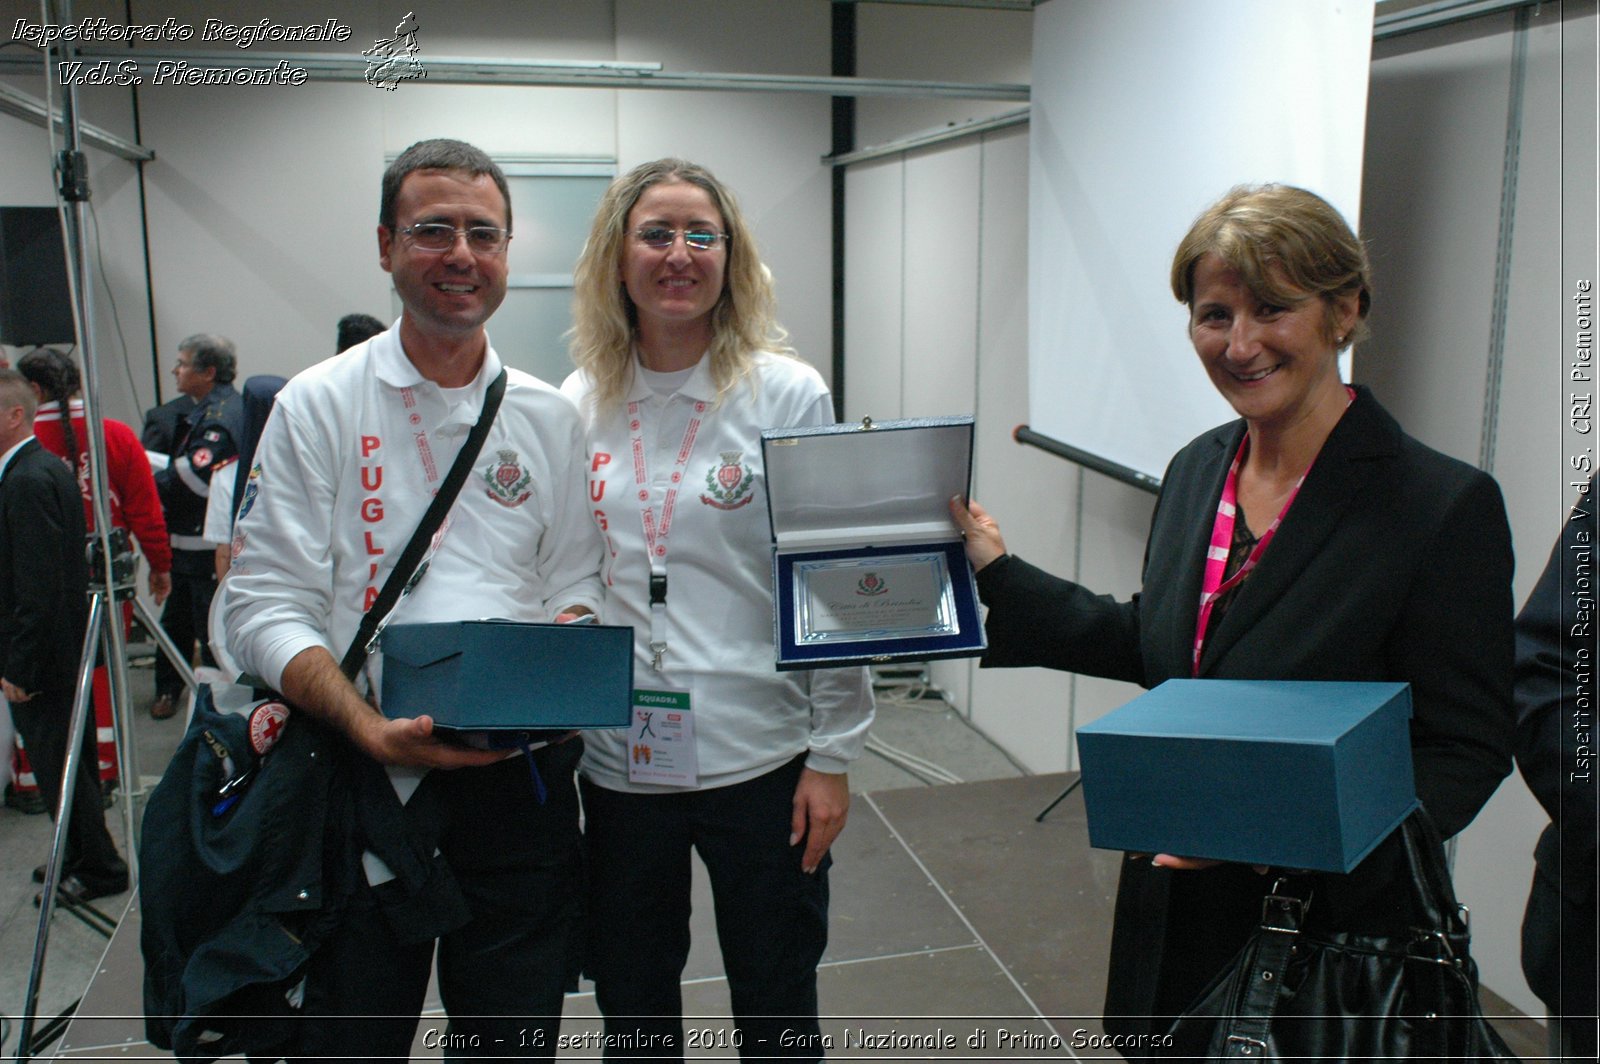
[350, 458]
[749, 718]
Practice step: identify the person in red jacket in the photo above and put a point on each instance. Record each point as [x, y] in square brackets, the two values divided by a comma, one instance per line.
[133, 499]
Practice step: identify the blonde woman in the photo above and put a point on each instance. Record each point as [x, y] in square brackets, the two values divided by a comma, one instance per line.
[680, 366]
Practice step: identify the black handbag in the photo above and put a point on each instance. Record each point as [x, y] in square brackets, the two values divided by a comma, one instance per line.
[1296, 995]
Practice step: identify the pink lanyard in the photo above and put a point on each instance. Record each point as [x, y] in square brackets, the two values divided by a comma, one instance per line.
[1214, 586]
[430, 467]
[656, 530]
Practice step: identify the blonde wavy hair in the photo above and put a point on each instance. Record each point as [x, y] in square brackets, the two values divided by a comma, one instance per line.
[604, 317]
[1286, 243]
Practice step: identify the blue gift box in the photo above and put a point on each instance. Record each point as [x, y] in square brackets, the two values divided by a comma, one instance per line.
[509, 676]
[1292, 774]
[867, 565]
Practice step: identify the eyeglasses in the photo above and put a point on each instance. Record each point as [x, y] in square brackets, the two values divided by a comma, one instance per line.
[437, 236]
[659, 236]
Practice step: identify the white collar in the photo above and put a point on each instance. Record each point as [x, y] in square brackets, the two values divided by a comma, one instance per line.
[5, 459]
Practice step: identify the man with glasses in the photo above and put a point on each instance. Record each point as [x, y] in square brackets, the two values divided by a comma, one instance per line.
[207, 435]
[348, 462]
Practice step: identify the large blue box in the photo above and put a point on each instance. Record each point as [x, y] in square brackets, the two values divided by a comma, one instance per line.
[1292, 774]
[867, 564]
[509, 676]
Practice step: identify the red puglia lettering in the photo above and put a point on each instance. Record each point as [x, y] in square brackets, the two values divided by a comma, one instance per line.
[372, 573]
[600, 519]
[372, 548]
[374, 482]
[600, 459]
[369, 444]
[372, 596]
[372, 510]
[597, 490]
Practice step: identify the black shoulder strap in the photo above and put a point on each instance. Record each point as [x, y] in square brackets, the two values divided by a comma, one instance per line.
[405, 568]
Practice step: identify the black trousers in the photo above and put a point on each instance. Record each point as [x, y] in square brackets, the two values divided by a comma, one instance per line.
[772, 918]
[44, 722]
[502, 977]
[185, 617]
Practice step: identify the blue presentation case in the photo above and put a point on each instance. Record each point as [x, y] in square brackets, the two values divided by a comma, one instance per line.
[866, 503]
[495, 675]
[1293, 774]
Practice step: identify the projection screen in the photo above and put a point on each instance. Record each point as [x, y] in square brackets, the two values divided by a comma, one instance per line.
[1143, 113]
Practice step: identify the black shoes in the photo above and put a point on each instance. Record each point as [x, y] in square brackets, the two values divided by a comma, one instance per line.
[73, 890]
[164, 707]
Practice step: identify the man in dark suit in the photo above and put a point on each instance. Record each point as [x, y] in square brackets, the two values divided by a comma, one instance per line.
[44, 580]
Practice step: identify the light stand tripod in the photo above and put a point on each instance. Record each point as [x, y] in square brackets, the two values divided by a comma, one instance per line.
[112, 577]
[1074, 785]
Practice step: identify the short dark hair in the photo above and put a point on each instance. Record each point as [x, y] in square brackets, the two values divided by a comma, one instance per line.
[354, 328]
[440, 154]
[212, 352]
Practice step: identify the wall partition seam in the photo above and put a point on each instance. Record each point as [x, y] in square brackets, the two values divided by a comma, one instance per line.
[843, 138]
[977, 353]
[1077, 577]
[1500, 305]
[905, 187]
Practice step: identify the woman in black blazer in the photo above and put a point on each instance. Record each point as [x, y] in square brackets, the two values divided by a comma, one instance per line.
[1349, 552]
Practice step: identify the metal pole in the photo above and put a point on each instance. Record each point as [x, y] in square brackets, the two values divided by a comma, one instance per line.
[81, 702]
[73, 189]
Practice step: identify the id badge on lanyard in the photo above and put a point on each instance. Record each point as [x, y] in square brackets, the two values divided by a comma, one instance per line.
[661, 738]
[658, 528]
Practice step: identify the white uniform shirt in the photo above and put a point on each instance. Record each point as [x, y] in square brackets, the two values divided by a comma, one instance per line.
[749, 718]
[348, 463]
[218, 530]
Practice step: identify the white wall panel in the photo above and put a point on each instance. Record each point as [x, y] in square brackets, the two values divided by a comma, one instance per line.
[766, 146]
[1437, 124]
[935, 44]
[1143, 113]
[941, 301]
[941, 280]
[269, 239]
[874, 292]
[1032, 494]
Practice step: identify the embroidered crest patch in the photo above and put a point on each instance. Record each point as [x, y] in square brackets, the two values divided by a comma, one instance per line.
[266, 725]
[252, 488]
[509, 483]
[729, 482]
[201, 457]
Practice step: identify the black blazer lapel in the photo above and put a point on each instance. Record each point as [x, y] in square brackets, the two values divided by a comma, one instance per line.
[1176, 556]
[1337, 478]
